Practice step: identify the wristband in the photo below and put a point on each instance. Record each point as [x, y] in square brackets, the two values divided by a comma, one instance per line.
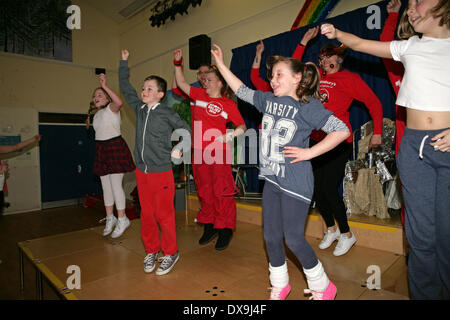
[178, 63]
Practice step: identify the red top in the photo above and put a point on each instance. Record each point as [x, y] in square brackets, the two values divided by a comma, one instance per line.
[340, 88]
[213, 113]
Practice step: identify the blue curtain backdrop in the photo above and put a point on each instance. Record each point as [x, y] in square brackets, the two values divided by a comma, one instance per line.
[370, 68]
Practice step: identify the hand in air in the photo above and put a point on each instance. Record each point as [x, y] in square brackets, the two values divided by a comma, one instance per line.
[125, 54]
[393, 6]
[328, 30]
[177, 54]
[310, 34]
[217, 54]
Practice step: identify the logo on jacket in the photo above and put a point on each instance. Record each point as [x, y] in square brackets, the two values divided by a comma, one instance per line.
[214, 109]
[324, 95]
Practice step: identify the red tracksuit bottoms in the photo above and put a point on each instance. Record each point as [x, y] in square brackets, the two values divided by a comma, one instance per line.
[156, 195]
[215, 189]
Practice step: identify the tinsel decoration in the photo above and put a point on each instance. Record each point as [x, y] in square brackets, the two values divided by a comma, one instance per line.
[168, 9]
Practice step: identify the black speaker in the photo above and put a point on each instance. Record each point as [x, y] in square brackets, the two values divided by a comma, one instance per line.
[199, 51]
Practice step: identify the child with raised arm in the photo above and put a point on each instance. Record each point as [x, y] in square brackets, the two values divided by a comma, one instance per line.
[211, 111]
[112, 156]
[424, 157]
[291, 112]
[155, 123]
[4, 164]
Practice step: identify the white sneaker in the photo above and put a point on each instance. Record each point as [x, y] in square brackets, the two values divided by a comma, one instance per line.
[111, 222]
[329, 238]
[344, 244]
[121, 226]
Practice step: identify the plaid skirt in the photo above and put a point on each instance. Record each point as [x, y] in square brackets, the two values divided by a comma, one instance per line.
[112, 156]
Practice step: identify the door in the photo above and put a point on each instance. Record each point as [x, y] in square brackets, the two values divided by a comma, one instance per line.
[66, 161]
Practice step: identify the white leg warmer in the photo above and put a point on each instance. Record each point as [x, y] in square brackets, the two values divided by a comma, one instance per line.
[317, 278]
[279, 276]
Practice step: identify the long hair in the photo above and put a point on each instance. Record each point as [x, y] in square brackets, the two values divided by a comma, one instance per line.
[224, 91]
[309, 84]
[441, 10]
[93, 109]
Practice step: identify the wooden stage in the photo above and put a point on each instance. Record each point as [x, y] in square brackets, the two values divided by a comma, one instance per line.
[112, 269]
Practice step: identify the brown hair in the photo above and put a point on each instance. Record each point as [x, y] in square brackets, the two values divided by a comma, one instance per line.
[93, 109]
[331, 49]
[160, 83]
[309, 84]
[224, 91]
[441, 10]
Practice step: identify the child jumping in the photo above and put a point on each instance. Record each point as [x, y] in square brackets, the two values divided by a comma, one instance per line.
[291, 112]
[423, 160]
[112, 156]
[155, 123]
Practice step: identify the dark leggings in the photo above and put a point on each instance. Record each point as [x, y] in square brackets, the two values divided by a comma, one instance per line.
[284, 218]
[329, 170]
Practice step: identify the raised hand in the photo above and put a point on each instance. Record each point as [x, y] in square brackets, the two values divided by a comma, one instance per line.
[328, 30]
[310, 34]
[393, 6]
[217, 54]
[177, 54]
[102, 79]
[125, 54]
[259, 48]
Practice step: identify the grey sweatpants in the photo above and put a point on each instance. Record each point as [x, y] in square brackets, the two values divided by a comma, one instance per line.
[426, 193]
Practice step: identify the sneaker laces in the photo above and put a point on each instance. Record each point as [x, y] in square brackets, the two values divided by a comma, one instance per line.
[314, 294]
[165, 261]
[150, 258]
[275, 293]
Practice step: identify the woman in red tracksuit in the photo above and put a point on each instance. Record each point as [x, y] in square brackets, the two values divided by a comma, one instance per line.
[211, 110]
[339, 88]
[395, 71]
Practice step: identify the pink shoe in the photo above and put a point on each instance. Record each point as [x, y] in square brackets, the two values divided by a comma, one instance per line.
[328, 294]
[280, 293]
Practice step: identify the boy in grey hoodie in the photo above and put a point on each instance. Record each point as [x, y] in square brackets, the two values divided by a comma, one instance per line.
[155, 123]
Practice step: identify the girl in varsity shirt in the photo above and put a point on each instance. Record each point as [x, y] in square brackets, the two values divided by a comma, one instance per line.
[339, 88]
[424, 157]
[112, 156]
[291, 112]
[211, 110]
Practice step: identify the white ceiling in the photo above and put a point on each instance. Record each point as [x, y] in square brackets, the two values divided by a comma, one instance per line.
[112, 8]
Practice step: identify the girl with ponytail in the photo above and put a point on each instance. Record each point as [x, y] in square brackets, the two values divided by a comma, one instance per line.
[290, 113]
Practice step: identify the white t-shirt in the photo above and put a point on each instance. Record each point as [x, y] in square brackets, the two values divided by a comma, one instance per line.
[426, 82]
[106, 124]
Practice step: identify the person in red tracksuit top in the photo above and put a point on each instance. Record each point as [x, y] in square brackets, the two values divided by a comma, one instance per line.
[339, 88]
[211, 110]
[395, 73]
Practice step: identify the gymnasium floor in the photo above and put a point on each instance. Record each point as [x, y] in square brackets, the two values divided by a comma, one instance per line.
[112, 269]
